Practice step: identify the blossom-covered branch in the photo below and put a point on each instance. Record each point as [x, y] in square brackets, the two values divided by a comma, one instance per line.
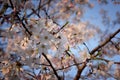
[20, 19]
[105, 42]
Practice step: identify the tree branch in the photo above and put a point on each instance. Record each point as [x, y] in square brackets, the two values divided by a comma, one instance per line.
[80, 69]
[62, 27]
[105, 42]
[51, 66]
[41, 6]
[106, 60]
[69, 66]
[20, 20]
[86, 46]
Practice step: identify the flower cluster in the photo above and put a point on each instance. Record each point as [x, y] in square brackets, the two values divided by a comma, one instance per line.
[46, 38]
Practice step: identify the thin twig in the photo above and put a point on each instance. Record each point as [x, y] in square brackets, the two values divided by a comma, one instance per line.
[20, 20]
[86, 46]
[69, 66]
[106, 60]
[62, 27]
[51, 66]
[39, 8]
[42, 64]
[48, 16]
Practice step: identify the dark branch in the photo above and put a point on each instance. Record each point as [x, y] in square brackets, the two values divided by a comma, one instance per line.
[41, 6]
[105, 42]
[51, 66]
[80, 69]
[21, 20]
[69, 66]
[48, 16]
[86, 47]
[11, 4]
[62, 27]
[106, 60]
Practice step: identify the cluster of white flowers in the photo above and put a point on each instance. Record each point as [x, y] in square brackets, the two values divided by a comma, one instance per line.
[77, 33]
[45, 39]
[41, 41]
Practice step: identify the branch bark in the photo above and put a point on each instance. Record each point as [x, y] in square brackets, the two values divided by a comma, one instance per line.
[80, 69]
[105, 42]
[12, 6]
[51, 66]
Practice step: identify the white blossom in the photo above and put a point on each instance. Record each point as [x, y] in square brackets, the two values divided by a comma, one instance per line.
[43, 48]
[84, 55]
[45, 37]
